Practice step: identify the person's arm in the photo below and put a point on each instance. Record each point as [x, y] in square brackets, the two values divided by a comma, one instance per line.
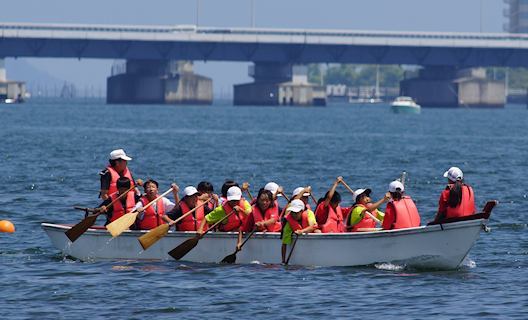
[283, 253]
[372, 207]
[332, 191]
[106, 178]
[214, 216]
[239, 241]
[175, 190]
[389, 218]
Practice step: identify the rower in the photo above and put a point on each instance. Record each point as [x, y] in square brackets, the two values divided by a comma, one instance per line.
[329, 214]
[234, 202]
[359, 218]
[298, 220]
[264, 215]
[206, 191]
[156, 214]
[124, 205]
[457, 199]
[401, 212]
[117, 168]
[190, 200]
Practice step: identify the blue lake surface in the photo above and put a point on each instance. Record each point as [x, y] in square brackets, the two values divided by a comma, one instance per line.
[51, 152]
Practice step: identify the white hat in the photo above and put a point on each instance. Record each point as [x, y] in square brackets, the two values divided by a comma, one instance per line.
[358, 192]
[454, 174]
[234, 193]
[119, 154]
[189, 191]
[299, 190]
[395, 185]
[296, 206]
[272, 187]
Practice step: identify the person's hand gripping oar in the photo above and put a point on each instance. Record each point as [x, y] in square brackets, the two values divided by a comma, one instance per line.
[151, 237]
[245, 187]
[77, 230]
[352, 192]
[118, 226]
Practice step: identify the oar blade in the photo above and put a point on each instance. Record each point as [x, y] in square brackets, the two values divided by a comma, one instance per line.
[184, 248]
[118, 226]
[151, 237]
[77, 230]
[230, 259]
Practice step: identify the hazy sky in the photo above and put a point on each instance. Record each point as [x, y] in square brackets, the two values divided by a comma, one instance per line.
[412, 15]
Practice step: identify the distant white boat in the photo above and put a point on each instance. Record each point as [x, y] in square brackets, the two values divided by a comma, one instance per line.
[365, 101]
[405, 105]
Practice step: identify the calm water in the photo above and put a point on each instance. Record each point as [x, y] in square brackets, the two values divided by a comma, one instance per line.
[51, 152]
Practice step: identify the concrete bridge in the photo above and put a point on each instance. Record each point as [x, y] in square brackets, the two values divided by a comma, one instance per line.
[279, 57]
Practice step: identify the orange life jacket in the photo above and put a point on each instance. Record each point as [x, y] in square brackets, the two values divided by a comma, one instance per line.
[466, 206]
[234, 221]
[405, 213]
[192, 221]
[366, 222]
[295, 225]
[118, 210]
[115, 176]
[272, 212]
[334, 218]
[151, 218]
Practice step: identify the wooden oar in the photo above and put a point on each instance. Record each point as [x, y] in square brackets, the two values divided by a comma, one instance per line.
[245, 187]
[232, 257]
[151, 237]
[181, 250]
[77, 230]
[285, 197]
[123, 223]
[293, 247]
[368, 213]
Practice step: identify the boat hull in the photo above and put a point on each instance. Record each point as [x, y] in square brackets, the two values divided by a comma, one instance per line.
[438, 246]
[406, 109]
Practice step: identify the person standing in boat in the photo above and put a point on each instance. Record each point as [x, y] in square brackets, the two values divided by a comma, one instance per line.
[190, 200]
[363, 210]
[234, 202]
[264, 215]
[329, 214]
[299, 221]
[457, 199]
[121, 207]
[117, 168]
[401, 212]
[156, 214]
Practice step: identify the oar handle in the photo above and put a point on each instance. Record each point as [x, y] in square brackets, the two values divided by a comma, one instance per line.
[217, 223]
[154, 201]
[84, 209]
[368, 213]
[293, 247]
[191, 211]
[285, 196]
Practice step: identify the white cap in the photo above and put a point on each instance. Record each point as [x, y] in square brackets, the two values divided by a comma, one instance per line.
[395, 185]
[359, 192]
[189, 191]
[296, 206]
[299, 190]
[119, 154]
[272, 187]
[454, 174]
[234, 193]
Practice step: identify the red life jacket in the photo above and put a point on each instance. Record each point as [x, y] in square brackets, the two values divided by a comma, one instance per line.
[192, 221]
[115, 176]
[466, 206]
[118, 210]
[295, 225]
[334, 218]
[405, 214]
[152, 218]
[366, 222]
[272, 212]
[234, 221]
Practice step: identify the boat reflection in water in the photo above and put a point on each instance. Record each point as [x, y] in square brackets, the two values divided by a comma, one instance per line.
[405, 105]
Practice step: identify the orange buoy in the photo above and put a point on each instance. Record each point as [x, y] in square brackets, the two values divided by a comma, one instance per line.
[7, 226]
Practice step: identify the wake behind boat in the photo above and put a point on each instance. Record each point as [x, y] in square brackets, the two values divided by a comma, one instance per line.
[441, 246]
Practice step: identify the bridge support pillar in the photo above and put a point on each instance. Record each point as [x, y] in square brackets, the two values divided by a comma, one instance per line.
[158, 82]
[10, 91]
[279, 84]
[448, 87]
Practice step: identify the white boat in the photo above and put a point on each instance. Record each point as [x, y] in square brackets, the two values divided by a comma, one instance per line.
[405, 105]
[442, 246]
